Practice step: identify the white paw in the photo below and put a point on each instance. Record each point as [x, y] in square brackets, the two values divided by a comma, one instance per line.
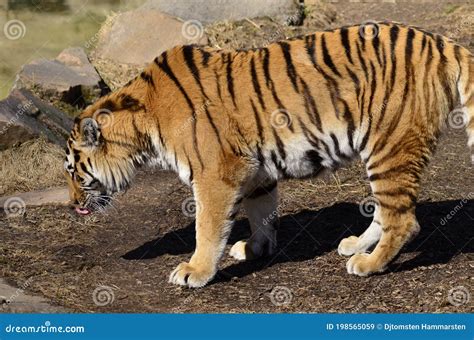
[348, 246]
[363, 265]
[186, 275]
[238, 251]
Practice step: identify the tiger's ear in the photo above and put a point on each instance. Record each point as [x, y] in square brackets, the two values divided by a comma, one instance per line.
[90, 132]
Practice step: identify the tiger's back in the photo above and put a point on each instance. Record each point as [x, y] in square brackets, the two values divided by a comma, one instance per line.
[322, 99]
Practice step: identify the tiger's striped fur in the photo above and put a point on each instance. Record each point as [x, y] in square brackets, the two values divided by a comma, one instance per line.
[232, 123]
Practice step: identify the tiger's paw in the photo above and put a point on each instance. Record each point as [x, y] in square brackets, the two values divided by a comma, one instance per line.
[242, 251]
[248, 250]
[186, 275]
[363, 265]
[348, 246]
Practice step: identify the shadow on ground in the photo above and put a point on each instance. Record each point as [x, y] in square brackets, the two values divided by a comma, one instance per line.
[309, 234]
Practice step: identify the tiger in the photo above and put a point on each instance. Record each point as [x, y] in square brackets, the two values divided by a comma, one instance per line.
[232, 123]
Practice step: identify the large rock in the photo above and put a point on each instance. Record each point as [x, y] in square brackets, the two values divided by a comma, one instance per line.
[23, 116]
[208, 11]
[70, 78]
[137, 37]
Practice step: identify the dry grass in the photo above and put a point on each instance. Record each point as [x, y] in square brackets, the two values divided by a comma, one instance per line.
[34, 165]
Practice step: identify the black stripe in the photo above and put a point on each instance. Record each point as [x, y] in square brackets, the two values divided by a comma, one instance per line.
[409, 51]
[337, 149]
[230, 80]
[280, 145]
[268, 80]
[256, 85]
[310, 41]
[160, 135]
[440, 46]
[362, 63]
[218, 85]
[84, 169]
[350, 124]
[393, 152]
[275, 161]
[356, 81]
[394, 30]
[423, 44]
[129, 103]
[266, 67]
[205, 57]
[402, 168]
[327, 57]
[315, 159]
[373, 87]
[147, 78]
[392, 126]
[376, 45]
[384, 63]
[346, 43]
[108, 105]
[258, 122]
[188, 53]
[310, 137]
[400, 209]
[290, 68]
[163, 65]
[332, 85]
[310, 106]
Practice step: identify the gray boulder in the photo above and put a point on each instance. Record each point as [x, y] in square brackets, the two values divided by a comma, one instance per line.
[24, 116]
[209, 11]
[137, 37]
[70, 78]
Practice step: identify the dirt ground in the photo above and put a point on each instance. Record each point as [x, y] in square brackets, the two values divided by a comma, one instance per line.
[120, 261]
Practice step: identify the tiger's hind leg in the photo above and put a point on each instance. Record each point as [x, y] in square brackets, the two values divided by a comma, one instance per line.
[261, 209]
[394, 178]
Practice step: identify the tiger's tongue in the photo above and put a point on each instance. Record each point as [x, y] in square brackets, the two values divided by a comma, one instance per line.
[83, 211]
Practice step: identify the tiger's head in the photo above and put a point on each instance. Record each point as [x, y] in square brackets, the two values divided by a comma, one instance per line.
[96, 166]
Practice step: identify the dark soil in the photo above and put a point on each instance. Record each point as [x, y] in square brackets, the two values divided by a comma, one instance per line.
[133, 248]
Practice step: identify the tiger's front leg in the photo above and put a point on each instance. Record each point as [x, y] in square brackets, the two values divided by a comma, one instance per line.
[215, 209]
